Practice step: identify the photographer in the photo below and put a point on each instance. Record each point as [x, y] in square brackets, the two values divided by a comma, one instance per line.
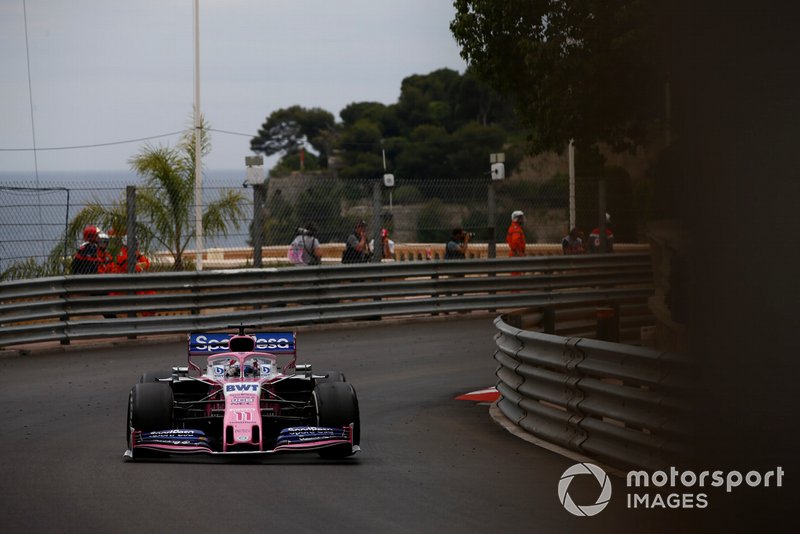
[304, 249]
[456, 248]
[356, 248]
[387, 245]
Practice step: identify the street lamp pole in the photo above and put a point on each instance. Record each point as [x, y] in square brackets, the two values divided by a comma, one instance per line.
[198, 155]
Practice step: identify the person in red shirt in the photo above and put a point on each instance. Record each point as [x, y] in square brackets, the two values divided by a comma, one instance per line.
[516, 235]
[105, 263]
[142, 263]
[595, 243]
[86, 260]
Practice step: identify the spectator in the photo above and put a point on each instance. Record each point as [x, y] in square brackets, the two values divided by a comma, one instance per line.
[120, 266]
[515, 237]
[595, 243]
[105, 263]
[121, 263]
[387, 245]
[573, 243]
[86, 259]
[304, 249]
[456, 248]
[356, 248]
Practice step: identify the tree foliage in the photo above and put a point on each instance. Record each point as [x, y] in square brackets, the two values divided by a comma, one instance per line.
[164, 205]
[443, 125]
[166, 201]
[584, 70]
[287, 129]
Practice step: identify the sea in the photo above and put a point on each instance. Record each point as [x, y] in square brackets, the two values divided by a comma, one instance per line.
[35, 210]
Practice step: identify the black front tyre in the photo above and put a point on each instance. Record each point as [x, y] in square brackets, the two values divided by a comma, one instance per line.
[337, 406]
[150, 407]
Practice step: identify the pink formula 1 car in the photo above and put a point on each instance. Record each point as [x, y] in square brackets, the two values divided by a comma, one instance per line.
[242, 394]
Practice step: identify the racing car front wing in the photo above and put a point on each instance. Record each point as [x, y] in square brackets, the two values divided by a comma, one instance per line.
[190, 441]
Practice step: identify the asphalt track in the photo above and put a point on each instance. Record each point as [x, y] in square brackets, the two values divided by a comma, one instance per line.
[429, 463]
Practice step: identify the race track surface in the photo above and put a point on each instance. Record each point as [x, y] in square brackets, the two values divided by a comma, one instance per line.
[429, 463]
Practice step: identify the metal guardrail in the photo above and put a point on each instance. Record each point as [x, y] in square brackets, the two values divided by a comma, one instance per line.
[100, 306]
[619, 403]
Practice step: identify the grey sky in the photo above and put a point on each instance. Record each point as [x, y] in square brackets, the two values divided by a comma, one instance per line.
[106, 71]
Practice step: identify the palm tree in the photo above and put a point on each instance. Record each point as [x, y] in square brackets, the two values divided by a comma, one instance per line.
[165, 203]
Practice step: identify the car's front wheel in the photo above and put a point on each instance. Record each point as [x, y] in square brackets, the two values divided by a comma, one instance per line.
[149, 407]
[337, 407]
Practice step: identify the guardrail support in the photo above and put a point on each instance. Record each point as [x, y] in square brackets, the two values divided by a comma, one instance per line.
[608, 323]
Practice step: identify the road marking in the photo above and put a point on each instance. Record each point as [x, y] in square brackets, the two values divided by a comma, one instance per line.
[482, 395]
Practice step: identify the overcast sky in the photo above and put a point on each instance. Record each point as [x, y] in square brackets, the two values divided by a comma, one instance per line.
[104, 71]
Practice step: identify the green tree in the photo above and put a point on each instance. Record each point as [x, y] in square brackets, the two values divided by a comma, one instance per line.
[320, 205]
[428, 99]
[362, 154]
[164, 204]
[166, 201]
[280, 224]
[476, 101]
[470, 147]
[291, 162]
[287, 129]
[380, 114]
[425, 155]
[584, 70]
[444, 124]
[429, 223]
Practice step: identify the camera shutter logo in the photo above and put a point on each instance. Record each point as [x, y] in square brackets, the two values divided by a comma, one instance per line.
[602, 500]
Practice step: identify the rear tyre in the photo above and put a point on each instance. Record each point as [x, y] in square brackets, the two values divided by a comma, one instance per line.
[155, 376]
[337, 406]
[332, 376]
[149, 408]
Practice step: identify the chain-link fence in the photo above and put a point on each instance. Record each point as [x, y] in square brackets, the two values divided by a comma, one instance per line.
[40, 228]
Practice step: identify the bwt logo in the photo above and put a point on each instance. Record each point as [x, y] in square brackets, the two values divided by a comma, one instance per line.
[586, 510]
[241, 388]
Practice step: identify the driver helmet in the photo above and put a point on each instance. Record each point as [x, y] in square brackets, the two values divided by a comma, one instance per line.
[102, 240]
[233, 369]
[90, 233]
[250, 371]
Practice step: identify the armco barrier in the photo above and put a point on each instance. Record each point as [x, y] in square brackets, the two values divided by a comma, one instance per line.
[620, 404]
[102, 306]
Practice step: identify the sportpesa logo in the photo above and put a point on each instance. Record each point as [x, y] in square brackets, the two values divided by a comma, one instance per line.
[266, 342]
[602, 499]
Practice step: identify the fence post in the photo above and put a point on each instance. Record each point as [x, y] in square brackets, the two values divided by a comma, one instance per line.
[601, 208]
[548, 320]
[259, 200]
[608, 323]
[133, 242]
[492, 250]
[376, 222]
